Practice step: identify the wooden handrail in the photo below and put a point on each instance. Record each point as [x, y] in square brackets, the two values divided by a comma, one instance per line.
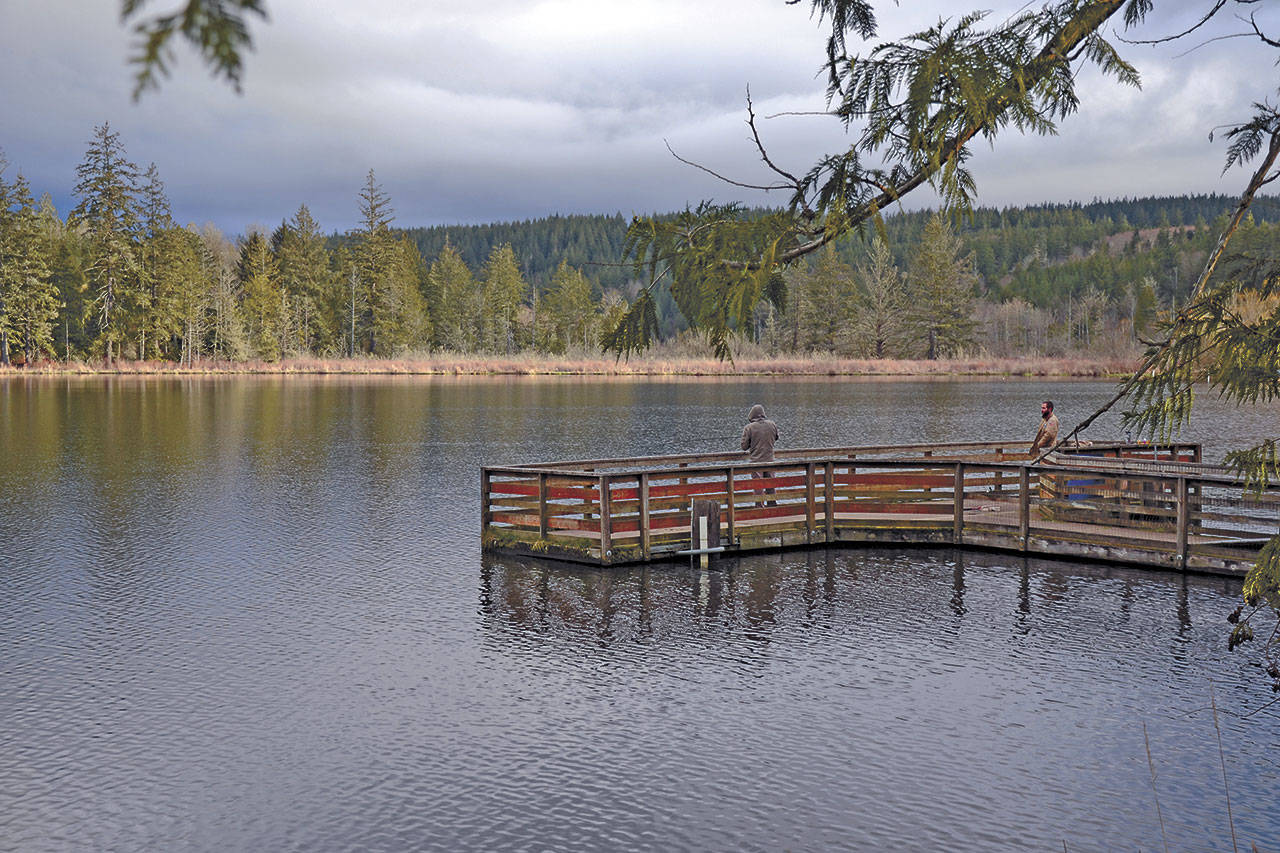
[1101, 504]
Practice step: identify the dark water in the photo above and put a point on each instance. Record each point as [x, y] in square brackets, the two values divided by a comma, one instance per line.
[251, 614]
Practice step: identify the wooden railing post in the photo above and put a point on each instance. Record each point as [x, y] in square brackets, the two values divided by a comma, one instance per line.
[606, 521]
[542, 506]
[1024, 505]
[828, 499]
[1184, 515]
[644, 516]
[732, 518]
[486, 516]
[810, 510]
[957, 532]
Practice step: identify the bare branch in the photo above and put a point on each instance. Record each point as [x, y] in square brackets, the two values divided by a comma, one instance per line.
[721, 177]
[764, 155]
[1217, 7]
[1269, 41]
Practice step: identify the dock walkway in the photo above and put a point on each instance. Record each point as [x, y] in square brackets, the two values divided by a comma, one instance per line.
[1129, 503]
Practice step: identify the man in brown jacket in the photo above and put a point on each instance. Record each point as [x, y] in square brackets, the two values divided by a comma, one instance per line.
[1047, 435]
[758, 438]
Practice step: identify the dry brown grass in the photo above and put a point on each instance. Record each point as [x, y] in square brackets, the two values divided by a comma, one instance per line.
[651, 364]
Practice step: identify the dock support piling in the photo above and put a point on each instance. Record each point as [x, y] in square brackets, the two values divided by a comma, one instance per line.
[828, 499]
[606, 522]
[810, 509]
[1184, 515]
[542, 505]
[645, 540]
[732, 521]
[1024, 505]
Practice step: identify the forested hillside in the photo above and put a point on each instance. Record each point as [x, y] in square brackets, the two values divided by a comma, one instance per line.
[117, 277]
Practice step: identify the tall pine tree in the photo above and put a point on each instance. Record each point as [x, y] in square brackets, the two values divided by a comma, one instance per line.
[108, 212]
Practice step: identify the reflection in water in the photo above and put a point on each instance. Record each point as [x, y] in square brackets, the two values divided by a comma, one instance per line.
[819, 588]
[251, 613]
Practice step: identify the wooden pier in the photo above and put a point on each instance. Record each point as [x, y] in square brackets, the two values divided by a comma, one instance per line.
[1128, 503]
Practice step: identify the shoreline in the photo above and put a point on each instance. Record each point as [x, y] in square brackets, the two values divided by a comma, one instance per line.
[641, 366]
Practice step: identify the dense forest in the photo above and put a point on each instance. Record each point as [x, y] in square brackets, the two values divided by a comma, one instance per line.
[117, 277]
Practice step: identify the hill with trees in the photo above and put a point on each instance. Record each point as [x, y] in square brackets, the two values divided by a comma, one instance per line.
[117, 277]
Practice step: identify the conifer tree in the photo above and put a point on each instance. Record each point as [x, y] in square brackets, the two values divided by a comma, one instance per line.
[184, 289]
[218, 258]
[826, 301]
[33, 302]
[374, 256]
[504, 291]
[262, 303]
[402, 318]
[388, 277]
[881, 312]
[6, 238]
[940, 283]
[162, 268]
[566, 313]
[28, 299]
[307, 279]
[107, 187]
[458, 302]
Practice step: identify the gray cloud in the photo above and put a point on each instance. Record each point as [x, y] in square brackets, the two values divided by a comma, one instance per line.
[518, 109]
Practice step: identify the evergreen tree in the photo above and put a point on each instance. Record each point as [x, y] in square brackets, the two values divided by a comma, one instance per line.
[504, 293]
[389, 279]
[403, 323]
[186, 286]
[826, 302]
[156, 294]
[881, 310]
[263, 303]
[28, 298]
[308, 281]
[107, 186]
[458, 302]
[940, 283]
[566, 313]
[227, 337]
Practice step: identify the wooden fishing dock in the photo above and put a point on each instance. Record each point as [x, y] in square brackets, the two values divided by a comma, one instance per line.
[1129, 503]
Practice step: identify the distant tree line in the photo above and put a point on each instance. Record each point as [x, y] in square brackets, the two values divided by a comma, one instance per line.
[118, 277]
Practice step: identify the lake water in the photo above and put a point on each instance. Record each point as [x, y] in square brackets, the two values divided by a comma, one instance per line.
[252, 614]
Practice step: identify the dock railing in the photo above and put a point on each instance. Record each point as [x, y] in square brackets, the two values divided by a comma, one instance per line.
[1118, 502]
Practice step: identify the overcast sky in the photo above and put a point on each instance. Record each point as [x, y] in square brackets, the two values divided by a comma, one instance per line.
[516, 109]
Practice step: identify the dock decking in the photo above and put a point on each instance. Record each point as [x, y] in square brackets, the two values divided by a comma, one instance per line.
[1130, 503]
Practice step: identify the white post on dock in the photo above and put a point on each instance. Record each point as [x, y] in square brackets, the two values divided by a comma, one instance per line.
[704, 558]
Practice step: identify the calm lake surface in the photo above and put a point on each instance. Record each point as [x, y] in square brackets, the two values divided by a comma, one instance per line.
[252, 614]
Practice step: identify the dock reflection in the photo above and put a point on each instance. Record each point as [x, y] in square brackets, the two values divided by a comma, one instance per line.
[754, 596]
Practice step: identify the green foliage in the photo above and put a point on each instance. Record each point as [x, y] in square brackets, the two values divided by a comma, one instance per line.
[108, 212]
[881, 324]
[824, 304]
[309, 283]
[919, 102]
[262, 300]
[689, 251]
[940, 287]
[504, 290]
[1261, 597]
[388, 274]
[28, 298]
[458, 302]
[566, 313]
[216, 29]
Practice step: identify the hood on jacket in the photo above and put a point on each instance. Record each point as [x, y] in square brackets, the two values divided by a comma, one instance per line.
[757, 413]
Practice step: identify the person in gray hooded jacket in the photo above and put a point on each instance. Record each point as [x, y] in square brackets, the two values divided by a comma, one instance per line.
[758, 438]
[759, 435]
